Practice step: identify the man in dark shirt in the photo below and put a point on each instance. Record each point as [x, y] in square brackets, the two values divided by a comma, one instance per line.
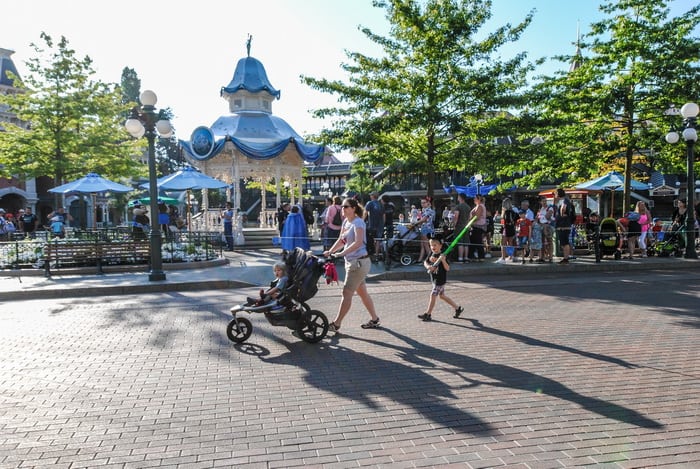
[28, 222]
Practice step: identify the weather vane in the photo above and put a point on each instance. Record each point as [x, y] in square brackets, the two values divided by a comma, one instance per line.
[247, 44]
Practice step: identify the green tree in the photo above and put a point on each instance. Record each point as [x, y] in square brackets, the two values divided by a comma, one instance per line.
[608, 112]
[360, 181]
[426, 101]
[75, 124]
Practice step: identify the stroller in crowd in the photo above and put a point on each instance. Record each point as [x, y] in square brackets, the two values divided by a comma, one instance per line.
[670, 242]
[290, 310]
[606, 240]
[404, 246]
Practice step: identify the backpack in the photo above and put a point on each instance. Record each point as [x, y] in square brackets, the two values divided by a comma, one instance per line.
[337, 219]
[371, 247]
[571, 212]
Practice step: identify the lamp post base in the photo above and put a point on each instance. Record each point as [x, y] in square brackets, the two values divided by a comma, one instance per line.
[156, 276]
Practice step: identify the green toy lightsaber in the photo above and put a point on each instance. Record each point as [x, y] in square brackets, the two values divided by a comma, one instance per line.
[455, 241]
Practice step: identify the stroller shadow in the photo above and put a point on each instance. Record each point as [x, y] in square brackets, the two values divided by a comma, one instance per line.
[378, 383]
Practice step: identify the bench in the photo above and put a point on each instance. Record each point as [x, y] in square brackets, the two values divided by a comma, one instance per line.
[59, 254]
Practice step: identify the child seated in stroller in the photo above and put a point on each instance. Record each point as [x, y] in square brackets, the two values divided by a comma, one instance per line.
[276, 289]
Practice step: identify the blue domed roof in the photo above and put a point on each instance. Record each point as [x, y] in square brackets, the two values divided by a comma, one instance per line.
[6, 65]
[250, 76]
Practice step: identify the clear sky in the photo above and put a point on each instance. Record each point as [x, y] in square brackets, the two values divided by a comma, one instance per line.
[186, 52]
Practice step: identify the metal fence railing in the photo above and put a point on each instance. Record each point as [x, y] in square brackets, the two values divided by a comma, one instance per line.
[113, 246]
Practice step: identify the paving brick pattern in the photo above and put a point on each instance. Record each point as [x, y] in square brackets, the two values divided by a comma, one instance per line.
[578, 371]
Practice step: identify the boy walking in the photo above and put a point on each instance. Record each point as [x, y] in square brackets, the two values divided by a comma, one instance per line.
[438, 277]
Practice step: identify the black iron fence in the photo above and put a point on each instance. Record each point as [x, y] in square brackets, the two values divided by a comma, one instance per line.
[103, 247]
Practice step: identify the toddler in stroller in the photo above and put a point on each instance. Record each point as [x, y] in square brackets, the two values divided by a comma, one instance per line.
[277, 286]
[289, 307]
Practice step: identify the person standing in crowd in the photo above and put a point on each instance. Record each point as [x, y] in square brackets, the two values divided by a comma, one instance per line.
[3, 231]
[461, 218]
[141, 223]
[28, 222]
[227, 220]
[374, 218]
[282, 214]
[525, 205]
[294, 233]
[163, 217]
[546, 218]
[508, 218]
[644, 224]
[437, 266]
[477, 233]
[427, 227]
[563, 221]
[60, 212]
[522, 229]
[351, 245]
[334, 221]
[413, 215]
[389, 210]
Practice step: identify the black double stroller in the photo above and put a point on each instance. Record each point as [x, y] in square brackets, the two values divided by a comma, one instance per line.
[291, 311]
[606, 240]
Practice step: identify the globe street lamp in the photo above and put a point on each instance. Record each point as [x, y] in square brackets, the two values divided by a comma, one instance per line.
[689, 111]
[145, 120]
[479, 179]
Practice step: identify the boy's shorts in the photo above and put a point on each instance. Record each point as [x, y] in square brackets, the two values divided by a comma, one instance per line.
[522, 241]
[438, 290]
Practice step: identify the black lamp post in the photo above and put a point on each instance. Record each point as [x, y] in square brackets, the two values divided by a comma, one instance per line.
[689, 111]
[145, 121]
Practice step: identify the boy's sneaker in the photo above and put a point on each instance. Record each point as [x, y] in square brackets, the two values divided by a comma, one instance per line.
[425, 317]
[487, 255]
[501, 261]
[458, 312]
[371, 324]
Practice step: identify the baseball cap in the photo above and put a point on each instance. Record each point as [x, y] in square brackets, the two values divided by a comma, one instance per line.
[655, 220]
[2, 210]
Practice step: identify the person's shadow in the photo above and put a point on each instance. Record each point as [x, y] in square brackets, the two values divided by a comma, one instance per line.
[505, 376]
[377, 383]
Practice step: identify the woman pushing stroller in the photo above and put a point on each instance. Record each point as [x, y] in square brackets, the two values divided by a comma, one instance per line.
[351, 244]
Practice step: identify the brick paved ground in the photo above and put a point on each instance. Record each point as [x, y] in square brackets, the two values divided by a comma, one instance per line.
[586, 370]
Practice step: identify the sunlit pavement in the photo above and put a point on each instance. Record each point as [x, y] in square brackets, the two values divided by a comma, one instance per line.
[581, 369]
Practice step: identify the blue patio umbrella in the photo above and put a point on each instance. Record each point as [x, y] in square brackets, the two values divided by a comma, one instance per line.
[187, 179]
[613, 182]
[91, 183]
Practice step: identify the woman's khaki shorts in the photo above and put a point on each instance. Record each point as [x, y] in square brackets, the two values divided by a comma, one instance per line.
[356, 271]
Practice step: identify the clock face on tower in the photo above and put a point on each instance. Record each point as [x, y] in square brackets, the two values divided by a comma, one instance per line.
[202, 141]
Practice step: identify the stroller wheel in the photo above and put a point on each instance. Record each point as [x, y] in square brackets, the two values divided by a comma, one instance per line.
[313, 326]
[239, 329]
[406, 259]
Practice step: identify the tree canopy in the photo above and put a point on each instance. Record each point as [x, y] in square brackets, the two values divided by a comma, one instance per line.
[609, 110]
[435, 95]
[74, 124]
